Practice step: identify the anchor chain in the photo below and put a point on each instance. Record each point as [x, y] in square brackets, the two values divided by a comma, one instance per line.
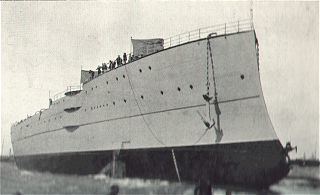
[207, 98]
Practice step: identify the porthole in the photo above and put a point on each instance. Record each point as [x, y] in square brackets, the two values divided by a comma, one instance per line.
[179, 89]
[141, 96]
[125, 101]
[123, 76]
[161, 92]
[149, 67]
[140, 70]
[107, 104]
[242, 76]
[92, 88]
[91, 108]
[96, 86]
[117, 78]
[86, 92]
[191, 87]
[100, 106]
[103, 105]
[114, 103]
[107, 82]
[85, 110]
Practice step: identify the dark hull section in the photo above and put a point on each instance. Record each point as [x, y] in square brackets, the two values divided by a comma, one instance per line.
[253, 164]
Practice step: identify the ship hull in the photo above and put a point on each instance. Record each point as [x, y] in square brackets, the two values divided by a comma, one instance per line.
[150, 106]
[252, 164]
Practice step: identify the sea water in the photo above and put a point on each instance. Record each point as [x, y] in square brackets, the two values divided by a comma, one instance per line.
[300, 180]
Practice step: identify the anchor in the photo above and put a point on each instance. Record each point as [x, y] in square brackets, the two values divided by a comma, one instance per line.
[209, 122]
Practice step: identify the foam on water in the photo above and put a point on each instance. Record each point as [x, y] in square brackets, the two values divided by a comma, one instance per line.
[99, 177]
[301, 180]
[129, 182]
[26, 173]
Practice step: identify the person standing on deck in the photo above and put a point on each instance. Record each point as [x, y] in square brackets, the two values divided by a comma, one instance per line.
[92, 74]
[104, 67]
[130, 57]
[114, 64]
[118, 61]
[99, 70]
[110, 64]
[124, 58]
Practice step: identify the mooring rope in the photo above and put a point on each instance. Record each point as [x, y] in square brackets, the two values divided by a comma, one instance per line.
[148, 127]
[175, 165]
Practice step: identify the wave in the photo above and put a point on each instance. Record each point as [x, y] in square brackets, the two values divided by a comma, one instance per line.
[26, 173]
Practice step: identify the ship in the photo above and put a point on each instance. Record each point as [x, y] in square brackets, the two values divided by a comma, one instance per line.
[186, 108]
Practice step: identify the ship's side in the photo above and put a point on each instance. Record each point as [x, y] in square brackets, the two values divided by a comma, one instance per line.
[151, 107]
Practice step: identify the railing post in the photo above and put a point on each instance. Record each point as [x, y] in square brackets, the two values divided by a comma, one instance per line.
[238, 26]
[199, 33]
[225, 28]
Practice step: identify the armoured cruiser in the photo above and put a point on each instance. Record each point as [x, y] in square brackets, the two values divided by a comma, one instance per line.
[189, 107]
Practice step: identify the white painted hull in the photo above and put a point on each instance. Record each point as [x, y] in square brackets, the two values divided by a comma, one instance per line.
[164, 120]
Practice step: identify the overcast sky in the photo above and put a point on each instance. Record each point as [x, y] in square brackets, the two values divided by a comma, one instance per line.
[44, 45]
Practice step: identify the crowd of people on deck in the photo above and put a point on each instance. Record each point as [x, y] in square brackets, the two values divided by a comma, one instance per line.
[105, 67]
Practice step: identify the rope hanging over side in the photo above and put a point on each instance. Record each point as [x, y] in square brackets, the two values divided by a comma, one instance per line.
[134, 95]
[175, 165]
[149, 128]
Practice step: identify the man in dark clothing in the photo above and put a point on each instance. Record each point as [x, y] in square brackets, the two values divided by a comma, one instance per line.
[99, 70]
[203, 188]
[104, 67]
[110, 64]
[124, 58]
[92, 74]
[130, 57]
[114, 65]
[118, 61]
[114, 190]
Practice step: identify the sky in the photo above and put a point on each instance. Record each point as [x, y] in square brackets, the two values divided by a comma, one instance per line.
[44, 45]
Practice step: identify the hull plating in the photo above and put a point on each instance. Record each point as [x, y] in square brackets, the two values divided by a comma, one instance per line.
[151, 105]
[254, 164]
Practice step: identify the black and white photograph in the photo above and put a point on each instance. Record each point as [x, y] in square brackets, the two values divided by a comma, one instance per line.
[160, 97]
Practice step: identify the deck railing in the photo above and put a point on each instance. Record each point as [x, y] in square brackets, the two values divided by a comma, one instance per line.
[219, 29]
[62, 93]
